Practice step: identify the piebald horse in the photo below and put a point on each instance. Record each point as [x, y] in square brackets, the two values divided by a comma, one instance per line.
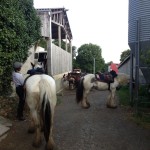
[41, 99]
[90, 81]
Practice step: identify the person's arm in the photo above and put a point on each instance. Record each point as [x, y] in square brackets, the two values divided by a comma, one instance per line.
[21, 79]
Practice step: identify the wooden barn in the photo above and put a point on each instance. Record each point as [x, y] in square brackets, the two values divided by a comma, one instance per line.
[55, 26]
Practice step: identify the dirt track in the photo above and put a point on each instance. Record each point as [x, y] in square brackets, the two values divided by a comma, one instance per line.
[97, 128]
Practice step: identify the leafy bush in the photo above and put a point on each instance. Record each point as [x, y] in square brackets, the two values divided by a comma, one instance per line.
[19, 28]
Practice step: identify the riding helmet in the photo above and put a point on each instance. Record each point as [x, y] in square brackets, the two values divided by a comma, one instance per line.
[17, 65]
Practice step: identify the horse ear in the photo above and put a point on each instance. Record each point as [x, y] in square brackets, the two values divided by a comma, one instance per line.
[32, 65]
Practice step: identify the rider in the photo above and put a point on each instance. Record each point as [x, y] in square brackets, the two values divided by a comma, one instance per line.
[19, 81]
[113, 73]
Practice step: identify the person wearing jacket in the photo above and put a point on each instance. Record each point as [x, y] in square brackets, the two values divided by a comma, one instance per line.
[18, 80]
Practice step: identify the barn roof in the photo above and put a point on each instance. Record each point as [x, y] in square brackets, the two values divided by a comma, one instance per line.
[58, 18]
[124, 61]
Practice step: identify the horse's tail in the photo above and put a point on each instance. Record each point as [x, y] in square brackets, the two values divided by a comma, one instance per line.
[46, 112]
[79, 91]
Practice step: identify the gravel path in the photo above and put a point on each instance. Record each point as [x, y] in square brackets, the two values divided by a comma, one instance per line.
[97, 128]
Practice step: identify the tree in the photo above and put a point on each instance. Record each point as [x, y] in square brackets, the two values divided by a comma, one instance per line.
[109, 63]
[20, 28]
[124, 54]
[74, 52]
[86, 55]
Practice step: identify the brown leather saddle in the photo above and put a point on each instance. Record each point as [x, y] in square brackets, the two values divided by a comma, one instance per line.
[106, 77]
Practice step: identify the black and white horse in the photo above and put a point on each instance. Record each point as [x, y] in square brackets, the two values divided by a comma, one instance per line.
[90, 81]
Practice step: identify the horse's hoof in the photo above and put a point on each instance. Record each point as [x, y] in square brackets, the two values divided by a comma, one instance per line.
[113, 107]
[88, 104]
[51, 148]
[37, 144]
[31, 130]
[86, 107]
[50, 145]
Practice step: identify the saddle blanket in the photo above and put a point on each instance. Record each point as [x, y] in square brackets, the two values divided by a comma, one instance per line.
[35, 71]
[107, 78]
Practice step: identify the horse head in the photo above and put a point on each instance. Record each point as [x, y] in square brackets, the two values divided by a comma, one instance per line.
[33, 65]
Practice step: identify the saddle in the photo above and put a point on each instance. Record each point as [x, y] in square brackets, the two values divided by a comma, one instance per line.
[35, 71]
[107, 77]
[32, 72]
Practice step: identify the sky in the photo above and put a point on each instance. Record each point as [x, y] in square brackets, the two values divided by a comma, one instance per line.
[100, 22]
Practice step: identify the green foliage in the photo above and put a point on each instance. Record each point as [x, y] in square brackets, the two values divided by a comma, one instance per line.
[142, 119]
[42, 43]
[144, 96]
[85, 58]
[19, 28]
[124, 96]
[74, 52]
[109, 63]
[145, 57]
[124, 54]
[142, 114]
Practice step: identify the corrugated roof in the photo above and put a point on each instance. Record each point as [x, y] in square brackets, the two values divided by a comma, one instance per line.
[124, 61]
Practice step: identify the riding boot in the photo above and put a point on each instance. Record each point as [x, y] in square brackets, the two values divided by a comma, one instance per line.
[20, 93]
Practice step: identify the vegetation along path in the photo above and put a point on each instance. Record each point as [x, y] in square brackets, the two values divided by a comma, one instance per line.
[96, 128]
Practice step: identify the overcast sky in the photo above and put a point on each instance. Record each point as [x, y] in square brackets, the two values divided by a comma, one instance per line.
[100, 22]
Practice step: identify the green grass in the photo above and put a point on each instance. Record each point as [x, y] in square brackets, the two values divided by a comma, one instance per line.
[141, 119]
[124, 96]
[140, 113]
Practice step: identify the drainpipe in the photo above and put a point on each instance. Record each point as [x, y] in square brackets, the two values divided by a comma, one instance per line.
[49, 46]
[137, 64]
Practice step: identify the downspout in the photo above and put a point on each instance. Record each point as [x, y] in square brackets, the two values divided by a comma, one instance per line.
[49, 46]
[137, 64]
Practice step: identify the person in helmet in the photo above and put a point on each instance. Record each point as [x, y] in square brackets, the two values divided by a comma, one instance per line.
[18, 80]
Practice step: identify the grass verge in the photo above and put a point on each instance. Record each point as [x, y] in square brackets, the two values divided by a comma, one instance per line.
[139, 113]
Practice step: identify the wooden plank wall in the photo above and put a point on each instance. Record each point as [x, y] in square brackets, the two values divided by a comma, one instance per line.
[61, 60]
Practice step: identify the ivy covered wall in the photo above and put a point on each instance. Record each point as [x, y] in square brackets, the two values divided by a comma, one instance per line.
[19, 30]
